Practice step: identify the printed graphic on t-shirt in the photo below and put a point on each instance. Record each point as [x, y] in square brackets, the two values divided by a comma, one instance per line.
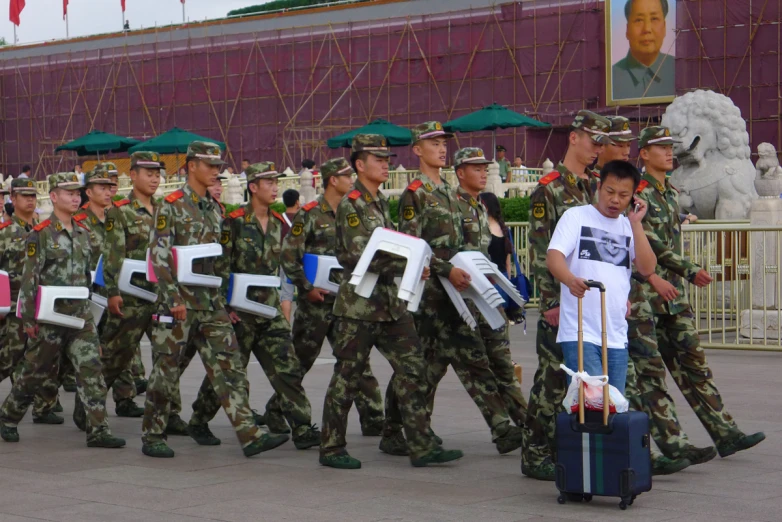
[596, 244]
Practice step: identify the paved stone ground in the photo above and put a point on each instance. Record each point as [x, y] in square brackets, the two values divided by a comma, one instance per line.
[52, 475]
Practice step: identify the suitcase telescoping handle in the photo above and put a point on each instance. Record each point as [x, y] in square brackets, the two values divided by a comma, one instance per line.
[604, 355]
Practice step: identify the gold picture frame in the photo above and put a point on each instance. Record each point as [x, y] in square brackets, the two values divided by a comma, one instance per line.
[623, 74]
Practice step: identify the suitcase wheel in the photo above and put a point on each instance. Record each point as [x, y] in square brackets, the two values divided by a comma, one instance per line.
[561, 498]
[588, 498]
[622, 505]
[627, 501]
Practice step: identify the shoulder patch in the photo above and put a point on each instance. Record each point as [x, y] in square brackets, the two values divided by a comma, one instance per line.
[122, 203]
[278, 216]
[354, 195]
[297, 229]
[415, 185]
[86, 206]
[43, 224]
[83, 226]
[309, 206]
[239, 212]
[6, 224]
[175, 196]
[80, 217]
[548, 178]
[641, 186]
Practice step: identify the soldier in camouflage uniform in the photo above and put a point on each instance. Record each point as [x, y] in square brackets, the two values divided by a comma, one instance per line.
[471, 170]
[58, 254]
[571, 184]
[382, 320]
[13, 234]
[621, 140]
[313, 232]
[98, 185]
[676, 337]
[194, 314]
[252, 240]
[429, 210]
[127, 229]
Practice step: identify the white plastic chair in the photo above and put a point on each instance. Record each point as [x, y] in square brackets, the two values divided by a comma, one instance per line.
[317, 270]
[5, 294]
[417, 252]
[183, 265]
[238, 286]
[130, 267]
[98, 305]
[44, 306]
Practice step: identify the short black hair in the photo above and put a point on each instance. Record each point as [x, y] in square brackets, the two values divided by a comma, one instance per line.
[621, 170]
[307, 164]
[290, 197]
[26, 168]
[360, 155]
[629, 8]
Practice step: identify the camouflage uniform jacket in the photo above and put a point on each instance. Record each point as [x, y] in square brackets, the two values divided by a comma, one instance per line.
[475, 223]
[12, 252]
[663, 230]
[128, 225]
[358, 215]
[432, 213]
[556, 192]
[313, 231]
[185, 219]
[56, 257]
[247, 249]
[97, 228]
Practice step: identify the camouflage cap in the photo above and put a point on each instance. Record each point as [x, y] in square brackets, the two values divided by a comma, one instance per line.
[64, 180]
[336, 167]
[206, 151]
[375, 144]
[620, 129]
[595, 125]
[148, 160]
[98, 175]
[23, 186]
[656, 135]
[111, 168]
[469, 155]
[262, 170]
[428, 130]
[501, 148]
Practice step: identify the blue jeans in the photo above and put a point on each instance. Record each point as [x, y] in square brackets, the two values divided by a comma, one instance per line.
[593, 365]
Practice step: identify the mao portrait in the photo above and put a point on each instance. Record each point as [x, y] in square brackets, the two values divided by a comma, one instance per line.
[641, 49]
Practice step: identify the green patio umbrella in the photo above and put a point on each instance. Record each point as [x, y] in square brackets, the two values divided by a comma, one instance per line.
[397, 136]
[96, 143]
[174, 141]
[493, 117]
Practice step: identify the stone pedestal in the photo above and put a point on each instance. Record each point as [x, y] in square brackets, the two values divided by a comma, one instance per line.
[307, 192]
[494, 181]
[766, 211]
[234, 193]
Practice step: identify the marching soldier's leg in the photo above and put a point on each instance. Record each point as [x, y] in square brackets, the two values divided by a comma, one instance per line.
[67, 375]
[545, 401]
[40, 358]
[138, 371]
[686, 360]
[118, 337]
[369, 403]
[279, 362]
[497, 344]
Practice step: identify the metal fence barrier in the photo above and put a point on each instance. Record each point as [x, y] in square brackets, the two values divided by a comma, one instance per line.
[741, 308]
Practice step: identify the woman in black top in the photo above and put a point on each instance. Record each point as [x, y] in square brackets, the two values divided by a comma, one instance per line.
[500, 247]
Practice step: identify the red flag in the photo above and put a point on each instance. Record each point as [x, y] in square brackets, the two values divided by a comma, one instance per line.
[16, 10]
[123, 5]
[64, 8]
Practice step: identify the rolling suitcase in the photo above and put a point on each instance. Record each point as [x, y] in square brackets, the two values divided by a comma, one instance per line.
[600, 453]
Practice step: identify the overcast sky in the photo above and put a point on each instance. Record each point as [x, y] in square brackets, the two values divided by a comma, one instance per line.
[42, 19]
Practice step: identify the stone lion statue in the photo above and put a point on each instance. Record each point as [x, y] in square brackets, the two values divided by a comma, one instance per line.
[767, 165]
[715, 175]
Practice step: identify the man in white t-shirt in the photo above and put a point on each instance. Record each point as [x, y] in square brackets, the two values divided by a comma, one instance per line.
[598, 242]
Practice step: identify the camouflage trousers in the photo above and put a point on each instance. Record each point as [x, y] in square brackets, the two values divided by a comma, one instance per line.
[39, 362]
[311, 325]
[545, 398]
[497, 344]
[399, 343]
[270, 341]
[12, 345]
[121, 338]
[137, 370]
[212, 335]
[681, 350]
[646, 389]
[448, 340]
[67, 373]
